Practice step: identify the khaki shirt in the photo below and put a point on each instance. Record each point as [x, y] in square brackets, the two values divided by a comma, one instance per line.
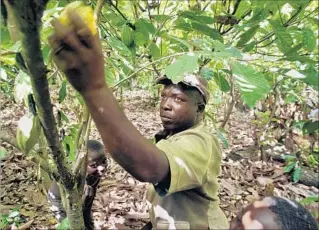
[191, 202]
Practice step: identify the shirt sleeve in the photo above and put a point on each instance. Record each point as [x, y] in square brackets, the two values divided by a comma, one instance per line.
[189, 156]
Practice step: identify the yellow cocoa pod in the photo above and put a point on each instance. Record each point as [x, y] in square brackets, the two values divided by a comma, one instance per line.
[84, 12]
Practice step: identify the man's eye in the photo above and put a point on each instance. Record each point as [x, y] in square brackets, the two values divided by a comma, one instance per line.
[93, 165]
[163, 97]
[178, 99]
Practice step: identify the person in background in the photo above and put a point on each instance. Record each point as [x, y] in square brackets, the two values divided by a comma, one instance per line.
[96, 166]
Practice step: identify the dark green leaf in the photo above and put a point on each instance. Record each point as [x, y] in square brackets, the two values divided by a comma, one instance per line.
[244, 6]
[290, 167]
[222, 82]
[46, 50]
[154, 50]
[184, 64]
[309, 39]
[259, 14]
[140, 38]
[62, 92]
[211, 32]
[310, 200]
[119, 46]
[297, 174]
[252, 84]
[65, 224]
[145, 27]
[312, 78]
[288, 158]
[294, 49]
[310, 127]
[3, 153]
[198, 18]
[161, 18]
[63, 116]
[296, 57]
[245, 37]
[284, 40]
[79, 97]
[181, 42]
[249, 46]
[222, 138]
[69, 147]
[206, 73]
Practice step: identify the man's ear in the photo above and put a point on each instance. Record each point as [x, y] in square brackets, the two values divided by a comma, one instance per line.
[201, 108]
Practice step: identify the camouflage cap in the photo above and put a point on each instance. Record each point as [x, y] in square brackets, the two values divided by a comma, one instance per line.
[192, 80]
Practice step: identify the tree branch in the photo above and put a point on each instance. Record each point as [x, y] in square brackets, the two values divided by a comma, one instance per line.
[98, 9]
[236, 7]
[28, 15]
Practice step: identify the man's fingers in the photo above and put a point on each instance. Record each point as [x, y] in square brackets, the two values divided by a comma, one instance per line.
[67, 38]
[84, 32]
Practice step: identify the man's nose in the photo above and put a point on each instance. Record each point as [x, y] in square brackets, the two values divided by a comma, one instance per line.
[101, 169]
[166, 104]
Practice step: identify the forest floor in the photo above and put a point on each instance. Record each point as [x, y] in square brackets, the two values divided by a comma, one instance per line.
[120, 200]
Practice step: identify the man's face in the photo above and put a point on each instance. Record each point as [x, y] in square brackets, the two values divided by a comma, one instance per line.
[178, 108]
[96, 164]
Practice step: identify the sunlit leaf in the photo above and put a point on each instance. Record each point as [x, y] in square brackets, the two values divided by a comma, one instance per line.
[119, 46]
[3, 153]
[309, 39]
[245, 37]
[62, 92]
[222, 82]
[206, 73]
[3, 74]
[182, 65]
[252, 84]
[65, 224]
[290, 167]
[28, 132]
[310, 199]
[154, 50]
[297, 174]
[22, 86]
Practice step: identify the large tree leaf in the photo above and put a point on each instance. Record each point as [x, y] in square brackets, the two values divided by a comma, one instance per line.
[284, 40]
[195, 16]
[206, 73]
[181, 42]
[62, 92]
[140, 38]
[154, 50]
[309, 39]
[245, 37]
[184, 64]
[199, 27]
[252, 84]
[244, 6]
[28, 132]
[311, 78]
[222, 82]
[22, 86]
[145, 27]
[119, 46]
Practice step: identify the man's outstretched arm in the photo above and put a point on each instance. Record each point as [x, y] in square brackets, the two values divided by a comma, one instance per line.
[126, 145]
[79, 55]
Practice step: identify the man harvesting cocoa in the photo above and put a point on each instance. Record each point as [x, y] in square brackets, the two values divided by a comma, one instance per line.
[182, 167]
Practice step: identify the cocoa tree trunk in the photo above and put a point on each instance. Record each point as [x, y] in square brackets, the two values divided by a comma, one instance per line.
[27, 14]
